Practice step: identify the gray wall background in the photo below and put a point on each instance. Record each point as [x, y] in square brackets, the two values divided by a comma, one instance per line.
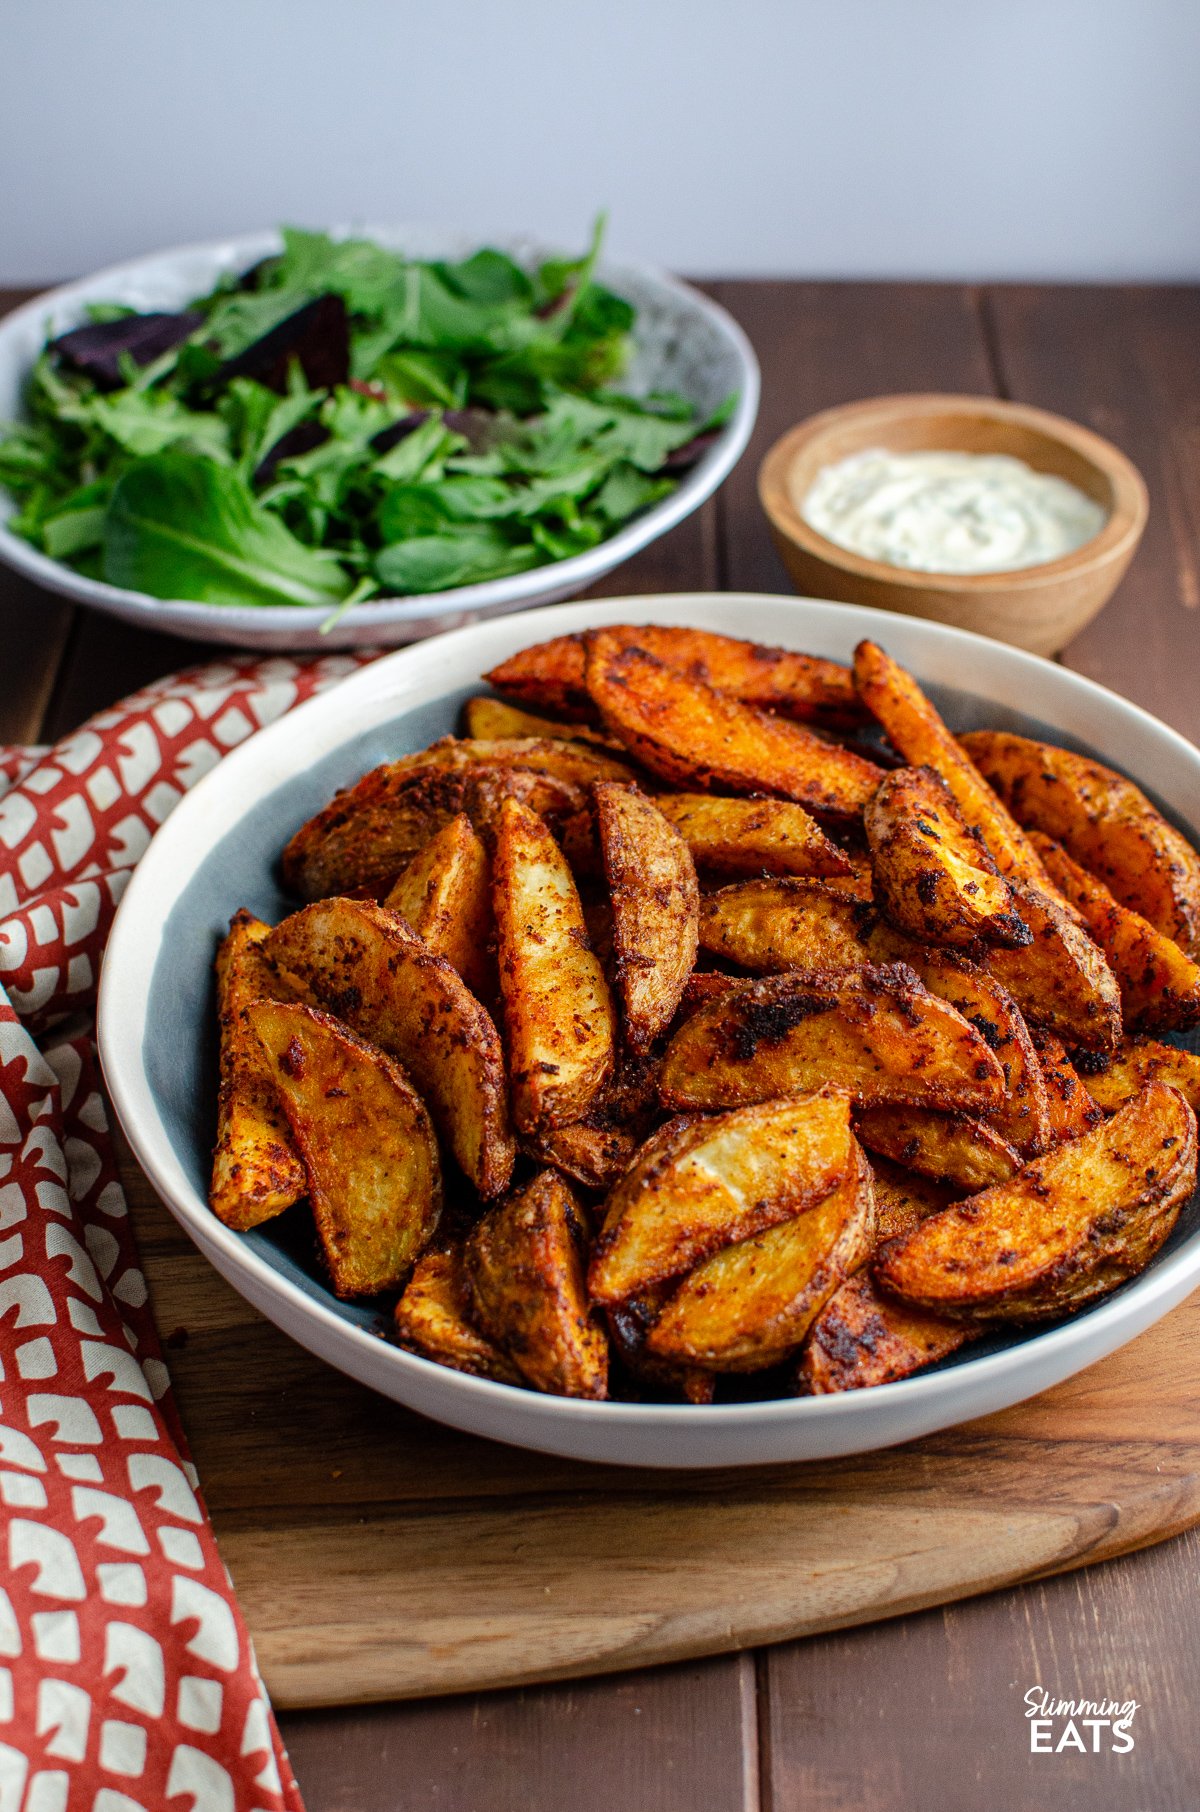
[943, 138]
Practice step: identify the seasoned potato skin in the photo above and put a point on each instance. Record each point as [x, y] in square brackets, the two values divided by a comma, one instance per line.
[1143, 1060]
[445, 894]
[432, 1318]
[878, 1034]
[551, 675]
[257, 1171]
[370, 968]
[656, 908]
[750, 1304]
[597, 1150]
[559, 1018]
[935, 877]
[750, 837]
[895, 700]
[629, 1325]
[1062, 979]
[771, 926]
[525, 1265]
[1159, 983]
[693, 737]
[1068, 1228]
[700, 1184]
[487, 719]
[366, 1140]
[958, 1149]
[1104, 821]
[903, 1198]
[863, 1337]
[1072, 1109]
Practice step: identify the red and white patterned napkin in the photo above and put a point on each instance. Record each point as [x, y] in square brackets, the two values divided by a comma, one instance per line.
[127, 1678]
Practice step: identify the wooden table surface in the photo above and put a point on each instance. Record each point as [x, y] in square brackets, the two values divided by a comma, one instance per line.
[928, 1710]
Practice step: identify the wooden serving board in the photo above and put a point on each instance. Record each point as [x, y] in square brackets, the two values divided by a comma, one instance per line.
[380, 1556]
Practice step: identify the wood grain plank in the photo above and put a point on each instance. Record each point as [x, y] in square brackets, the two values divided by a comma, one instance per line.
[1123, 360]
[826, 343]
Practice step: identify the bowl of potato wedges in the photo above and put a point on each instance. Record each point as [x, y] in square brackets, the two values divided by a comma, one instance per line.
[682, 1031]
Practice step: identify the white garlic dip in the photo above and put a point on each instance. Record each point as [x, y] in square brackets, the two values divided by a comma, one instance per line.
[948, 512]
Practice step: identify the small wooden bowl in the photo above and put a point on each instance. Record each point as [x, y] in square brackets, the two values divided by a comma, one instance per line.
[1040, 608]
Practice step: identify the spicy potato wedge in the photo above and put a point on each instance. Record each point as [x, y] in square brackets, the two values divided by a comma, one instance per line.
[1072, 1109]
[525, 1264]
[1143, 1060]
[958, 1149]
[365, 1137]
[598, 1149]
[770, 926]
[655, 904]
[1159, 982]
[370, 968]
[432, 1318]
[445, 893]
[487, 718]
[935, 877]
[256, 1171]
[745, 837]
[1062, 979]
[1104, 821]
[903, 1198]
[559, 1020]
[895, 700]
[694, 737]
[751, 1304]
[864, 1337]
[629, 1325]
[551, 675]
[1067, 1229]
[701, 1184]
[878, 1034]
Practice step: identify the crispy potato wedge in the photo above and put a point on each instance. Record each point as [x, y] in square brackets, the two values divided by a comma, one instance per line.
[774, 925]
[432, 1318]
[256, 1171]
[751, 1304]
[935, 877]
[370, 968]
[701, 1184]
[692, 736]
[559, 1020]
[1143, 1060]
[656, 908]
[748, 837]
[903, 1198]
[1104, 821]
[1159, 983]
[894, 698]
[525, 1265]
[629, 1325]
[1068, 1228]
[864, 1337]
[877, 1034]
[551, 675]
[597, 1150]
[1062, 979]
[958, 1149]
[1072, 1110]
[364, 1134]
[487, 719]
[445, 893]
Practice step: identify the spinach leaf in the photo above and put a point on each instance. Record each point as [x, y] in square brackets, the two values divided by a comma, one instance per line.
[463, 557]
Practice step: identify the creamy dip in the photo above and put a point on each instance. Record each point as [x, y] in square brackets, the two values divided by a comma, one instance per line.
[948, 512]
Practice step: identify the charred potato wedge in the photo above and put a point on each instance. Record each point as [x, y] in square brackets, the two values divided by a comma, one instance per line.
[935, 877]
[957, 1149]
[692, 736]
[746, 837]
[257, 1171]
[1067, 1229]
[559, 1020]
[445, 893]
[525, 1264]
[629, 1325]
[863, 1337]
[656, 907]
[771, 926]
[551, 675]
[368, 967]
[751, 1304]
[597, 1150]
[1159, 983]
[432, 1318]
[366, 1140]
[895, 700]
[1072, 1110]
[1062, 979]
[1138, 1062]
[705, 1183]
[1104, 821]
[877, 1034]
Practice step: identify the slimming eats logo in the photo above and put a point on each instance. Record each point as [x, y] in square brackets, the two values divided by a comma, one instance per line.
[1092, 1726]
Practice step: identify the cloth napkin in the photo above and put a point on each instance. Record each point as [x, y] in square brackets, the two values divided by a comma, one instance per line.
[127, 1677]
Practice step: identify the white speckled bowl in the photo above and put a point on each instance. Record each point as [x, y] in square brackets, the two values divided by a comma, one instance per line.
[683, 341]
